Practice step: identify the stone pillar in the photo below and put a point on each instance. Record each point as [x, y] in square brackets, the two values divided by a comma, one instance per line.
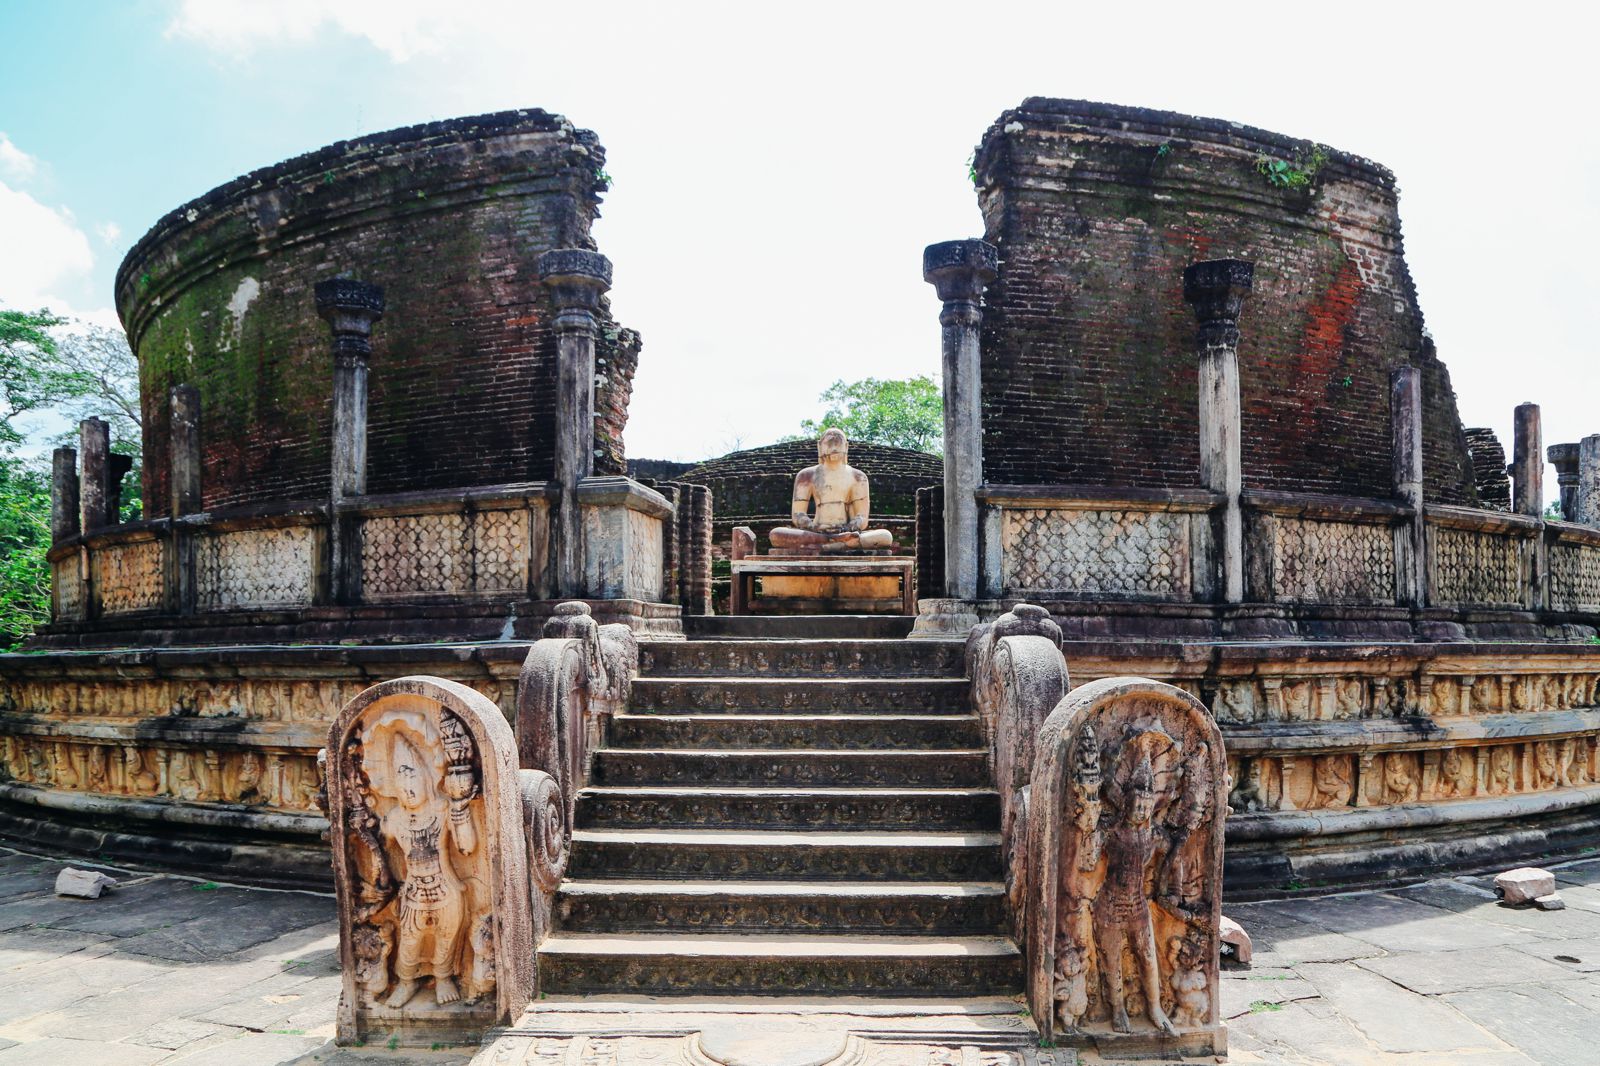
[1527, 462]
[1588, 494]
[184, 451]
[63, 493]
[94, 484]
[958, 271]
[1564, 457]
[1405, 414]
[576, 278]
[351, 307]
[1216, 290]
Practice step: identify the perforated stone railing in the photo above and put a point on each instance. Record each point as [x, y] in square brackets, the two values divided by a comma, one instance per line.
[1324, 550]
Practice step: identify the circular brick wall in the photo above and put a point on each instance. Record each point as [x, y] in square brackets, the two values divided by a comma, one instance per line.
[1088, 365]
[448, 218]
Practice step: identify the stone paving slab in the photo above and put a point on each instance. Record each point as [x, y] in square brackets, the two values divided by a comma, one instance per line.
[162, 971]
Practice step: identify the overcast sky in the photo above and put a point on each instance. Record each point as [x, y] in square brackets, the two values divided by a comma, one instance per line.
[779, 168]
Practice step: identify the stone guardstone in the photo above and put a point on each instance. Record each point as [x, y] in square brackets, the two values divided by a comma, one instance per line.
[1123, 875]
[430, 865]
[1524, 885]
[86, 884]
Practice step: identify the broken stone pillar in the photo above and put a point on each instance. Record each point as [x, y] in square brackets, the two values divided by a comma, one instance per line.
[1587, 502]
[350, 307]
[94, 483]
[1527, 462]
[958, 271]
[1216, 290]
[1564, 457]
[1405, 412]
[577, 279]
[184, 452]
[63, 494]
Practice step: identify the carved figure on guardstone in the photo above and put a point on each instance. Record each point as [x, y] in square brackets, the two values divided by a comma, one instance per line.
[373, 946]
[1186, 956]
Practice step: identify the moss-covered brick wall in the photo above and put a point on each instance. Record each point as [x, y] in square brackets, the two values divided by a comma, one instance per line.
[1088, 364]
[448, 218]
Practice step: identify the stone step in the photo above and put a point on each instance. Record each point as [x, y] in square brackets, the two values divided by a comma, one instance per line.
[923, 908]
[709, 807]
[798, 627]
[777, 964]
[912, 695]
[802, 658]
[856, 732]
[776, 855]
[957, 768]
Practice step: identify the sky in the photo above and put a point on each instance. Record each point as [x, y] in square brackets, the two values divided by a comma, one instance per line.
[778, 169]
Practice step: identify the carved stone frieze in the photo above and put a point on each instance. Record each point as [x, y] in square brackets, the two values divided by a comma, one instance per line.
[1113, 553]
[1129, 794]
[430, 863]
[1317, 561]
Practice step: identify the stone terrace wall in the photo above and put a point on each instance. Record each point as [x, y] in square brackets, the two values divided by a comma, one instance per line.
[449, 218]
[1088, 371]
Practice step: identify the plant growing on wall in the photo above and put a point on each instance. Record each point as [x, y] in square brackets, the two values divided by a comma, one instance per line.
[1292, 174]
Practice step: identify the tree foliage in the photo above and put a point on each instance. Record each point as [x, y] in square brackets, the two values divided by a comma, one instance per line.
[906, 413]
[24, 540]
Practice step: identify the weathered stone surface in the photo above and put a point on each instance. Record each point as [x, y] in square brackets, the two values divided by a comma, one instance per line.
[1524, 885]
[1551, 902]
[88, 884]
[1233, 935]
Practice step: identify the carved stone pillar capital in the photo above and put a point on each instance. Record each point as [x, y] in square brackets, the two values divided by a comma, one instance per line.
[958, 272]
[351, 308]
[1216, 290]
[576, 278]
[1564, 457]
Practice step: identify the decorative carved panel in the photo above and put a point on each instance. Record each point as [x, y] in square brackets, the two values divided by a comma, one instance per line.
[1574, 577]
[256, 568]
[1314, 561]
[68, 589]
[1111, 553]
[644, 556]
[500, 546]
[1475, 569]
[129, 577]
[455, 553]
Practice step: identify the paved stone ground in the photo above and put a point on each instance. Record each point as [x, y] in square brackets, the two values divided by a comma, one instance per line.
[169, 969]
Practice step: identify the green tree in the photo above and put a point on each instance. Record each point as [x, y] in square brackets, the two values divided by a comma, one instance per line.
[24, 540]
[906, 413]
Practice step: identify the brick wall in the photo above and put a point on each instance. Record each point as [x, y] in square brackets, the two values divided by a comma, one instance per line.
[449, 218]
[1089, 375]
[759, 482]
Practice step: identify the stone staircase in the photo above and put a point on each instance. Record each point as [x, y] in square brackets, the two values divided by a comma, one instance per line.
[787, 816]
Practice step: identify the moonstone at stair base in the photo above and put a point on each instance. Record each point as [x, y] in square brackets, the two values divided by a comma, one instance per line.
[85, 883]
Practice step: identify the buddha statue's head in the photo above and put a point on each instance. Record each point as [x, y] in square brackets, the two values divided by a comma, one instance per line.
[833, 447]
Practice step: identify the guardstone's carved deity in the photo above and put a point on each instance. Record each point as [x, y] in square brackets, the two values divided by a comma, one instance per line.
[1129, 791]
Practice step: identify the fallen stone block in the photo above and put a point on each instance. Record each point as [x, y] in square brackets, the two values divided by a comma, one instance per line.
[1524, 885]
[1552, 902]
[1234, 936]
[85, 883]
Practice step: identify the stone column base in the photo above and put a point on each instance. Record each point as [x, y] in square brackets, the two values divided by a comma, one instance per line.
[944, 619]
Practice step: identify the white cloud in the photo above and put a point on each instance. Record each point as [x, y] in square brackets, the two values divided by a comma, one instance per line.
[401, 29]
[14, 162]
[108, 232]
[46, 255]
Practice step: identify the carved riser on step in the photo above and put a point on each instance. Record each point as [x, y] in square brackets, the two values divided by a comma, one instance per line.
[822, 658]
[904, 696]
[820, 732]
[705, 808]
[839, 860]
[874, 907]
[830, 769]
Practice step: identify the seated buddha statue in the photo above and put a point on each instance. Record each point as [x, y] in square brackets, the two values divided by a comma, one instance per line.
[831, 504]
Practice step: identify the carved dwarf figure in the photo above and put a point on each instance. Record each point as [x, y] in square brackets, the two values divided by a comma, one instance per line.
[842, 504]
[1455, 774]
[249, 783]
[1330, 781]
[1502, 770]
[1544, 764]
[373, 946]
[1186, 955]
[99, 772]
[1251, 793]
[1133, 846]
[1399, 777]
[432, 901]
[1569, 773]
